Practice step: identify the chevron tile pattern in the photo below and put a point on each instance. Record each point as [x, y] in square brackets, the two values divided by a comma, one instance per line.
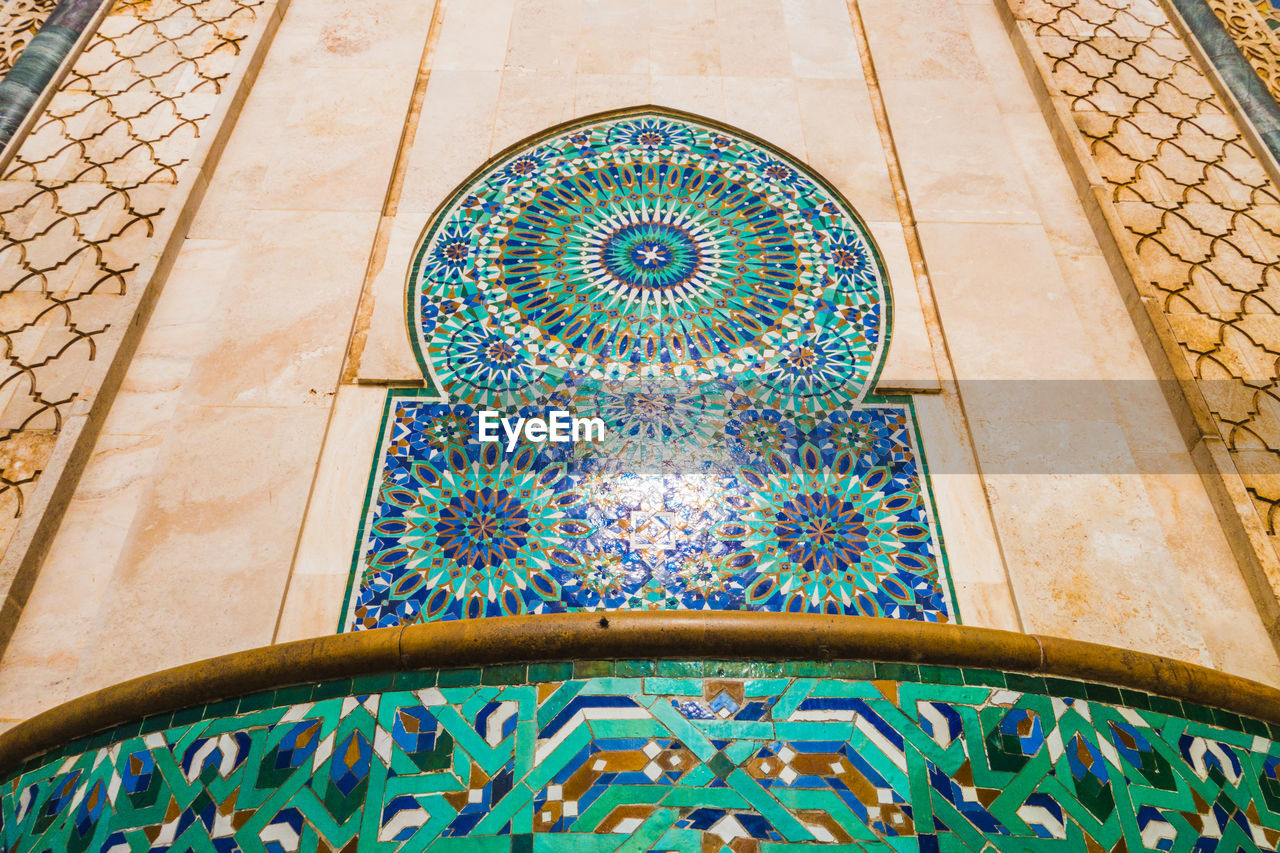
[664, 756]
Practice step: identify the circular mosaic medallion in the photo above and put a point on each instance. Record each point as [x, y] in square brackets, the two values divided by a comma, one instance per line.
[646, 246]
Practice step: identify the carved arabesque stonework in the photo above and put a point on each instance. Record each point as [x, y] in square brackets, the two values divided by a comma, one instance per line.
[1254, 25]
[82, 208]
[19, 21]
[1192, 209]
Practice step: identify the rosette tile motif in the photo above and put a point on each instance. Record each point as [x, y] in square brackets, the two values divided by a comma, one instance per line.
[640, 247]
[724, 314]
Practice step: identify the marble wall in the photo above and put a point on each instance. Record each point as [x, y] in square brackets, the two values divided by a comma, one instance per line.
[220, 506]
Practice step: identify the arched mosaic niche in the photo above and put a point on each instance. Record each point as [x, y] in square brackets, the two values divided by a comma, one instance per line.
[648, 246]
[725, 313]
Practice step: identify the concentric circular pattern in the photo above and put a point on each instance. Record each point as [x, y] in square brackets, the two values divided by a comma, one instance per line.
[646, 246]
[721, 313]
[648, 256]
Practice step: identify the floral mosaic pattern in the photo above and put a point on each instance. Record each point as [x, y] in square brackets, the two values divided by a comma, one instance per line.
[689, 504]
[672, 756]
[647, 246]
[723, 313]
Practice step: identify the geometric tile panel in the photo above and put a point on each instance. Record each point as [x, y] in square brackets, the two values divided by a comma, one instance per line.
[672, 756]
[724, 313]
[647, 246]
[692, 502]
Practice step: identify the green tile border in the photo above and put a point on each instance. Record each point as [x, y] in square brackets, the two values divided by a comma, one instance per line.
[665, 670]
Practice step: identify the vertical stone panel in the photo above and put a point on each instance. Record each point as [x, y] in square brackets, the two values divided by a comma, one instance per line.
[90, 203]
[1194, 219]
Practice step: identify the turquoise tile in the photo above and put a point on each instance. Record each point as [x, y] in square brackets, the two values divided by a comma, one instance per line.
[634, 668]
[513, 673]
[592, 668]
[986, 678]
[543, 672]
[897, 672]
[458, 678]
[419, 680]
[941, 675]
[853, 669]
[1102, 693]
[367, 685]
[680, 668]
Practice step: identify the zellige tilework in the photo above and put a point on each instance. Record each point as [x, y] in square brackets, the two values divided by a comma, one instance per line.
[776, 514]
[765, 757]
[647, 246]
[724, 313]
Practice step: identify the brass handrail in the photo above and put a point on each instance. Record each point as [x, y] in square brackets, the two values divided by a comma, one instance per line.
[629, 635]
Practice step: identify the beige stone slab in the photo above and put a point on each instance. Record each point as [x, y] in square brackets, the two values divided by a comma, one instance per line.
[529, 103]
[1055, 196]
[545, 36]
[312, 608]
[194, 286]
[453, 139]
[910, 360]
[973, 553]
[1125, 372]
[349, 34]
[683, 39]
[957, 161]
[333, 515]
[327, 158]
[148, 396]
[702, 96]
[844, 144]
[281, 327]
[995, 53]
[473, 36]
[594, 93]
[920, 40]
[1224, 610]
[614, 37]
[57, 627]
[1004, 305]
[1034, 445]
[820, 33]
[1089, 560]
[387, 353]
[213, 541]
[752, 39]
[769, 109]
[323, 564]
[254, 144]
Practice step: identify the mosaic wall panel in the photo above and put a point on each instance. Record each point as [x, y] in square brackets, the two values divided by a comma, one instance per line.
[723, 313]
[672, 756]
[691, 503]
[642, 247]
[1198, 213]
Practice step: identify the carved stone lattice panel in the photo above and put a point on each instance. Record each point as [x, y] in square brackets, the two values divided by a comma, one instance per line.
[1254, 25]
[81, 208]
[19, 21]
[1195, 210]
